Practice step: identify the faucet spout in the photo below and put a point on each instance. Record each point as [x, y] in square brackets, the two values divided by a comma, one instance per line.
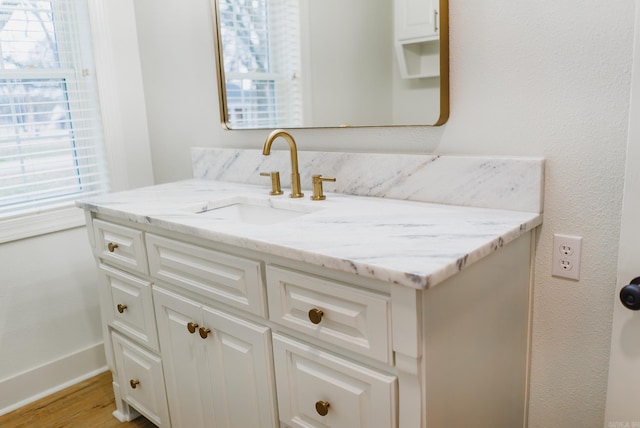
[295, 174]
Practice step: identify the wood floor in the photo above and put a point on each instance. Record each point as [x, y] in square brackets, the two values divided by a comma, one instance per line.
[86, 405]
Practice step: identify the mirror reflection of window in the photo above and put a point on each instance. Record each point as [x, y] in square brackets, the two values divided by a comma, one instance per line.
[261, 62]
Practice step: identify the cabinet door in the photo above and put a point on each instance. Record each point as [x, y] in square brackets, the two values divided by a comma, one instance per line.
[183, 357]
[240, 363]
[416, 19]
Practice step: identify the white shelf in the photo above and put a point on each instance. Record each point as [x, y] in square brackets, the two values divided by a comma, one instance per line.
[418, 59]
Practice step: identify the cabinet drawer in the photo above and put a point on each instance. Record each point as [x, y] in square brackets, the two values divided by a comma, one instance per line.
[232, 280]
[317, 389]
[354, 319]
[141, 380]
[131, 305]
[120, 246]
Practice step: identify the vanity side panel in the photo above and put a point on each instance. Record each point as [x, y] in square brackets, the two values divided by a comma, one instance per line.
[476, 342]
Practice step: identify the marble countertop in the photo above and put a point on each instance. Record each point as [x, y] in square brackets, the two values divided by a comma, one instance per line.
[415, 244]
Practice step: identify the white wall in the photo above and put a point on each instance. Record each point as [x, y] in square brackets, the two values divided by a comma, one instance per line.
[360, 36]
[39, 281]
[176, 54]
[48, 312]
[527, 78]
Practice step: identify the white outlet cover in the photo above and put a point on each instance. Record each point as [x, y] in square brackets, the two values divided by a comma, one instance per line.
[567, 251]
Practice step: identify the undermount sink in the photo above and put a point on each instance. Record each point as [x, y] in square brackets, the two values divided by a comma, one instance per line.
[255, 211]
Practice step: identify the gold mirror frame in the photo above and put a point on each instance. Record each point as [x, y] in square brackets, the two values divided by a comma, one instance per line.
[443, 66]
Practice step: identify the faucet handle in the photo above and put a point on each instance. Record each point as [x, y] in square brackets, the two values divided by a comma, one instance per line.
[275, 182]
[317, 186]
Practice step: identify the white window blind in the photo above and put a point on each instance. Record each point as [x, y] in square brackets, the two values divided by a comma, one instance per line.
[261, 53]
[50, 134]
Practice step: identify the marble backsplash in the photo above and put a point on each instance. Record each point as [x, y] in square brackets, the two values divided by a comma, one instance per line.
[513, 183]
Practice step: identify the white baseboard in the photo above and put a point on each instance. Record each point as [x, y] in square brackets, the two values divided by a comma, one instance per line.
[39, 382]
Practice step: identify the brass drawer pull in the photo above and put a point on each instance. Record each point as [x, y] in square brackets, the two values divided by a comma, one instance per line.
[204, 332]
[315, 315]
[121, 307]
[134, 383]
[112, 247]
[191, 326]
[322, 407]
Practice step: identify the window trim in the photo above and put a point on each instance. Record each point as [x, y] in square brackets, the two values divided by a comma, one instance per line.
[40, 223]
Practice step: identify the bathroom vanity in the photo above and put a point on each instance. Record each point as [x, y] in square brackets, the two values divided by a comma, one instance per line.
[225, 306]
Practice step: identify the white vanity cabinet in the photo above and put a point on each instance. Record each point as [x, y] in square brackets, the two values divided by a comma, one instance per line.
[242, 338]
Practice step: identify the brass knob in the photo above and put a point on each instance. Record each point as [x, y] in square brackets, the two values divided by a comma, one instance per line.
[134, 383]
[315, 315]
[204, 332]
[322, 407]
[121, 307]
[112, 247]
[191, 326]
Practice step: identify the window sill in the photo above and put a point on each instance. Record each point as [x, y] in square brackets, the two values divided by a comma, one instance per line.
[30, 225]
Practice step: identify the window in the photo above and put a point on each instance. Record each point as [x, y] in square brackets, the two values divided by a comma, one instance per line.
[261, 53]
[50, 132]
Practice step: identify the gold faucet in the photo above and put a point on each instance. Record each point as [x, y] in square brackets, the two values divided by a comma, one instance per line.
[295, 175]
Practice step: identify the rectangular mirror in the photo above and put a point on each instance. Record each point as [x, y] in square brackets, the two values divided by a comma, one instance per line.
[332, 63]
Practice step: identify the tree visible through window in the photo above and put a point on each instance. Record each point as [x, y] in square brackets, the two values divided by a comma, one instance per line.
[50, 134]
[260, 40]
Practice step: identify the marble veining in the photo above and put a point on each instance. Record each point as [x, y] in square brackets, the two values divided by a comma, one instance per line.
[487, 182]
[415, 244]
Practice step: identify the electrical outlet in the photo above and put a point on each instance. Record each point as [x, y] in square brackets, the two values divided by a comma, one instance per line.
[566, 256]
